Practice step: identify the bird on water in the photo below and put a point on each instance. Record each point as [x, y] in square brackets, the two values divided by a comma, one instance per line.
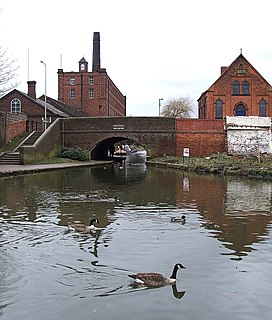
[83, 227]
[153, 279]
[181, 219]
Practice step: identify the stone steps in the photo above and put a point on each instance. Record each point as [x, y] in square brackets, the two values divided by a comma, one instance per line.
[10, 158]
[14, 156]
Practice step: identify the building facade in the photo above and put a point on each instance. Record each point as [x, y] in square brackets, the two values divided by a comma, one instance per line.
[18, 102]
[239, 91]
[91, 92]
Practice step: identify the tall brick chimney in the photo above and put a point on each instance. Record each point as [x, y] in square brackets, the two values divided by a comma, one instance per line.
[96, 51]
[31, 89]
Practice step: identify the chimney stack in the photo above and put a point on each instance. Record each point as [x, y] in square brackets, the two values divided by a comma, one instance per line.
[31, 89]
[223, 69]
[96, 52]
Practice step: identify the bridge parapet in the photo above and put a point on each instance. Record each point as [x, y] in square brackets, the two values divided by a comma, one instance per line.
[156, 134]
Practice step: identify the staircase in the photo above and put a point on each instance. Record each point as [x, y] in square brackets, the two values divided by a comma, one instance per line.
[10, 158]
[13, 157]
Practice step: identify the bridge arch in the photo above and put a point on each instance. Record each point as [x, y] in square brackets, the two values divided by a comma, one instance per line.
[100, 150]
[96, 134]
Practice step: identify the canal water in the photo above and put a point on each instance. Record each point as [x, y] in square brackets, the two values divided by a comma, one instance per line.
[48, 272]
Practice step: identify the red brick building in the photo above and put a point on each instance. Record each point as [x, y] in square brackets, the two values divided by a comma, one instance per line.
[17, 102]
[92, 93]
[239, 91]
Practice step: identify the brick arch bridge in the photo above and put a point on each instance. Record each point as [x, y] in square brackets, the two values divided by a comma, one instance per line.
[156, 134]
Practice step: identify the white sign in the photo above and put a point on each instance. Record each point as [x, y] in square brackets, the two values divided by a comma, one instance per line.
[186, 152]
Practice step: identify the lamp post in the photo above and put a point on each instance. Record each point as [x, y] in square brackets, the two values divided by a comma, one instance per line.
[45, 111]
[160, 106]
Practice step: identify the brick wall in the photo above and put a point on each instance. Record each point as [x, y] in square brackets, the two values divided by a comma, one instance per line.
[240, 70]
[202, 137]
[107, 99]
[12, 125]
[156, 134]
[2, 128]
[49, 142]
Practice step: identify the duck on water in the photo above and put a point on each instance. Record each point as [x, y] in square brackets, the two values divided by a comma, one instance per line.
[181, 219]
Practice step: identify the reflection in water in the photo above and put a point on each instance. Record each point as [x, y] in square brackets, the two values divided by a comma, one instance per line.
[133, 287]
[227, 234]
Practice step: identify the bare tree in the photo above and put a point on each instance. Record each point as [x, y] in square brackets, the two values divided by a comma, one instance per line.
[8, 73]
[181, 107]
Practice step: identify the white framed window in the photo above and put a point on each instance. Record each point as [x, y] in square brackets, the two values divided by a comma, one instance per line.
[15, 106]
[72, 93]
[72, 81]
[91, 93]
[91, 80]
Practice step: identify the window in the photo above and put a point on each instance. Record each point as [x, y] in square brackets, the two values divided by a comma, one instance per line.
[72, 93]
[219, 109]
[91, 81]
[72, 81]
[15, 106]
[240, 110]
[91, 94]
[262, 108]
[236, 87]
[245, 87]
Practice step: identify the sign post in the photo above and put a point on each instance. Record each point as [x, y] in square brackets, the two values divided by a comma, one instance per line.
[186, 153]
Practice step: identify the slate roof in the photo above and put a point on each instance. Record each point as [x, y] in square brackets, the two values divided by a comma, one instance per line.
[70, 111]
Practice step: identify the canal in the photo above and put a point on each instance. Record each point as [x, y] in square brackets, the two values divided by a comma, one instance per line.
[48, 272]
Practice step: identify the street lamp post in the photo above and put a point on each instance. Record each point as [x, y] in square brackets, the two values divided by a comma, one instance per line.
[160, 106]
[45, 108]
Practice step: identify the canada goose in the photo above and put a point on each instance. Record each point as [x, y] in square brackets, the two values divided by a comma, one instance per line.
[181, 219]
[83, 227]
[156, 279]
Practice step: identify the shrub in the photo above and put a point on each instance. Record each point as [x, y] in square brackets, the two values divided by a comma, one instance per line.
[75, 154]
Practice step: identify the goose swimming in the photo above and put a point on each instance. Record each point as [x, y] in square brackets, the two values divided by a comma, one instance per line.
[153, 279]
[181, 219]
[83, 227]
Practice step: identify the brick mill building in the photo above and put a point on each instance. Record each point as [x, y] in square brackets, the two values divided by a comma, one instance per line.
[80, 94]
[91, 92]
[239, 91]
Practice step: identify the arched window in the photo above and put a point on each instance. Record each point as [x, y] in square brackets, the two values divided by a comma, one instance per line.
[219, 109]
[240, 110]
[245, 87]
[236, 87]
[262, 108]
[15, 105]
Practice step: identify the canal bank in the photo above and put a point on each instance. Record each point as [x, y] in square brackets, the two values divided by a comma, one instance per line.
[10, 170]
[223, 164]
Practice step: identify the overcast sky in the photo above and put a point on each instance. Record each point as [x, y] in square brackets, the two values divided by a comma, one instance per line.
[151, 49]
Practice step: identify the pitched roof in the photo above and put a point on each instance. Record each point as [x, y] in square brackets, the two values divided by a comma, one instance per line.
[227, 69]
[70, 111]
[83, 60]
[39, 103]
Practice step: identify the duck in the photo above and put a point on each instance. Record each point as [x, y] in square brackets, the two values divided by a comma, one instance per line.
[83, 227]
[181, 219]
[152, 279]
